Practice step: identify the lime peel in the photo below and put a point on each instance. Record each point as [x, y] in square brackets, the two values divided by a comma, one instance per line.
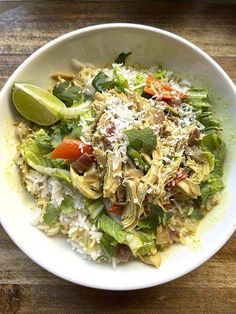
[42, 107]
[37, 104]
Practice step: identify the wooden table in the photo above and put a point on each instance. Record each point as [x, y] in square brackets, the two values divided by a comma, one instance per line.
[24, 286]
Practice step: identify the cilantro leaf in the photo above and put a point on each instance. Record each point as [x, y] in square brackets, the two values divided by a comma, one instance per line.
[70, 94]
[122, 57]
[67, 205]
[156, 217]
[163, 216]
[50, 216]
[142, 139]
[149, 222]
[102, 82]
[65, 128]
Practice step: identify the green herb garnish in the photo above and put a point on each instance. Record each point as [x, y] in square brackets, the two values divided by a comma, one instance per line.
[144, 139]
[70, 94]
[122, 58]
[70, 128]
[156, 217]
[102, 82]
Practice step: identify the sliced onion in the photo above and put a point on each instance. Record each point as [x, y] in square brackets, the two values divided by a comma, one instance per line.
[83, 162]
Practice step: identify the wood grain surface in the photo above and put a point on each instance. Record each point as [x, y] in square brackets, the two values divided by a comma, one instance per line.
[27, 288]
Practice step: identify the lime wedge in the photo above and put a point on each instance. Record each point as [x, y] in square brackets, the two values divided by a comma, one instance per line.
[37, 104]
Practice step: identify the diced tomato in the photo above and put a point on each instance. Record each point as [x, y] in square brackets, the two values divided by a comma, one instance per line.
[181, 174]
[116, 209]
[71, 149]
[155, 87]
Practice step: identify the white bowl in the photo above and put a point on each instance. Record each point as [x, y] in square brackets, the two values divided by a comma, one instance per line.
[101, 44]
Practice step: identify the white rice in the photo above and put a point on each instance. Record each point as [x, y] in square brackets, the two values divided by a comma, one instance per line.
[81, 233]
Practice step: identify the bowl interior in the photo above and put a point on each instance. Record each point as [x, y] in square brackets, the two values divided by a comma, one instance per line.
[99, 46]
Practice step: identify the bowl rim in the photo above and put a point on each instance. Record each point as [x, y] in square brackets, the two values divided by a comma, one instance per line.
[70, 35]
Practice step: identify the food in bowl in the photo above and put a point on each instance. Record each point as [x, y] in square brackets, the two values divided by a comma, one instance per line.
[122, 160]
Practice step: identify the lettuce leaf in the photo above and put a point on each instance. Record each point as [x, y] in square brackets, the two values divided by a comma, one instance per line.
[89, 116]
[209, 121]
[109, 245]
[140, 243]
[95, 207]
[213, 144]
[197, 94]
[209, 157]
[76, 102]
[210, 187]
[76, 110]
[43, 139]
[198, 99]
[121, 83]
[67, 205]
[112, 228]
[35, 157]
[51, 215]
